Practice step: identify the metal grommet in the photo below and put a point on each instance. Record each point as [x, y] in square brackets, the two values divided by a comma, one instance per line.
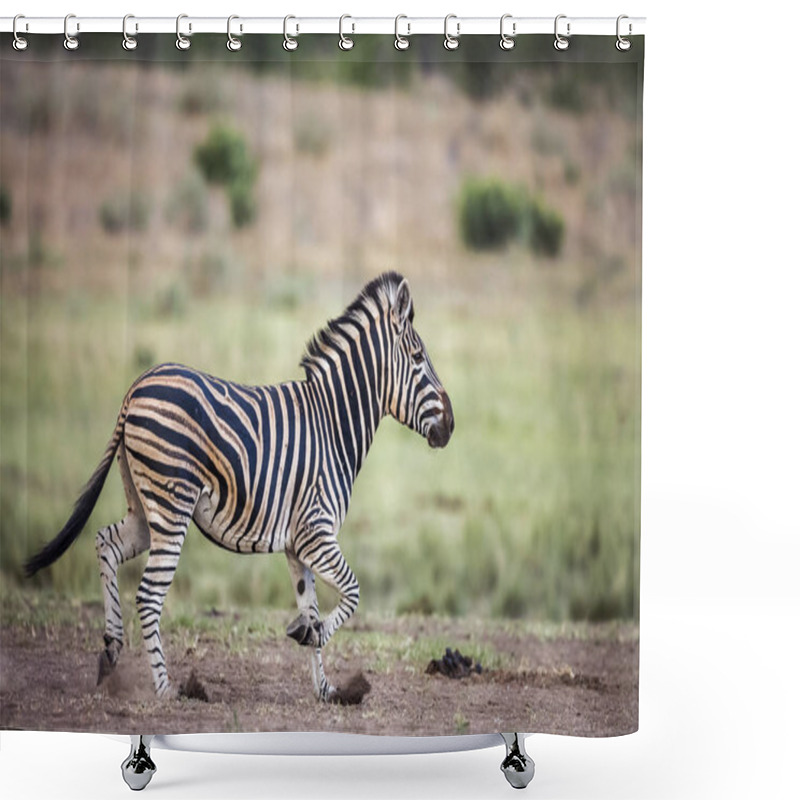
[129, 42]
[70, 42]
[450, 41]
[623, 44]
[345, 42]
[561, 42]
[289, 42]
[401, 42]
[182, 42]
[20, 43]
[234, 43]
[507, 42]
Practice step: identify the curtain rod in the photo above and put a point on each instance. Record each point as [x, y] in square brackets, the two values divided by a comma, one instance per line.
[187, 25]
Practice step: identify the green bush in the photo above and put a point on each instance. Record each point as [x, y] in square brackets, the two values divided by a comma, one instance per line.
[223, 157]
[546, 226]
[491, 213]
[5, 205]
[242, 203]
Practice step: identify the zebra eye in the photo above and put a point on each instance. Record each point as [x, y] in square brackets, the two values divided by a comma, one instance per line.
[418, 356]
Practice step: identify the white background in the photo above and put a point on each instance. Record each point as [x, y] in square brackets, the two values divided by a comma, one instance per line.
[720, 608]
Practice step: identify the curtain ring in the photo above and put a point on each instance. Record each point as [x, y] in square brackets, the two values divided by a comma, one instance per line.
[561, 42]
[129, 42]
[507, 42]
[345, 42]
[182, 42]
[20, 43]
[623, 44]
[289, 42]
[234, 43]
[70, 41]
[401, 42]
[450, 41]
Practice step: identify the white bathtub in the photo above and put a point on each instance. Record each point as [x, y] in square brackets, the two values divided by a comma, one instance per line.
[138, 768]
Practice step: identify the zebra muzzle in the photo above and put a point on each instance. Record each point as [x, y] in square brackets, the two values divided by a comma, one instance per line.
[440, 432]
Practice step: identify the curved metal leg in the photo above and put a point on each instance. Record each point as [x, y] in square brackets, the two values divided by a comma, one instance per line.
[518, 766]
[138, 768]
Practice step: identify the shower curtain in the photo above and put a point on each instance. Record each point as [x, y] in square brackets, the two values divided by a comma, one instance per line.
[238, 212]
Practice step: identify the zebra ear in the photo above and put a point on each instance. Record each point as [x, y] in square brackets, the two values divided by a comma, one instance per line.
[402, 304]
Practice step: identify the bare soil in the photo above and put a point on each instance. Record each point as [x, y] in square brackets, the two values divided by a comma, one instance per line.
[585, 685]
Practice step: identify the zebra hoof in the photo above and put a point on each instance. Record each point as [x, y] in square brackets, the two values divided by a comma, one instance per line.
[304, 632]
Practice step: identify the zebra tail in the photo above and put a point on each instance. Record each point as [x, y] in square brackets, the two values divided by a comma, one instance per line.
[80, 513]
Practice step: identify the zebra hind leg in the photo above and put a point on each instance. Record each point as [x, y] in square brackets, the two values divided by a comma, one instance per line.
[115, 545]
[152, 592]
[168, 515]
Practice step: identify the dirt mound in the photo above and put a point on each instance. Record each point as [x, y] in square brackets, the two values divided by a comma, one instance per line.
[353, 692]
[453, 665]
[193, 689]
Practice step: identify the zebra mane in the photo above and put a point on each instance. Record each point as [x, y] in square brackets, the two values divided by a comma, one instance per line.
[380, 291]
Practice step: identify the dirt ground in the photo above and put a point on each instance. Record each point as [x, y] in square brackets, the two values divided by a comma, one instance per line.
[578, 684]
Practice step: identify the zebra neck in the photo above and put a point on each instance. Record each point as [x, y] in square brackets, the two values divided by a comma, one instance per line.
[349, 403]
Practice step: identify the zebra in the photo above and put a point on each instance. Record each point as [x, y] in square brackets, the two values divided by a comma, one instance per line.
[259, 469]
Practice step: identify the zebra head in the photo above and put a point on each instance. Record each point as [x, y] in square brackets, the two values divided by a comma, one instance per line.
[416, 397]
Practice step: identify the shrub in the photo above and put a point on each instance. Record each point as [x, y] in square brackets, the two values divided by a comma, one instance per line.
[546, 226]
[242, 203]
[5, 205]
[491, 213]
[223, 157]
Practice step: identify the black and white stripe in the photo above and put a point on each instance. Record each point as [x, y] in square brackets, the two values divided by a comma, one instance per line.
[260, 469]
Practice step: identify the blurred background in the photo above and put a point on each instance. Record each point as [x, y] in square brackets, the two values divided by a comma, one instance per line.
[217, 210]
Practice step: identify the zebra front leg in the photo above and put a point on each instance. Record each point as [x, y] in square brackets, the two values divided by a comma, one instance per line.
[327, 561]
[324, 558]
[305, 628]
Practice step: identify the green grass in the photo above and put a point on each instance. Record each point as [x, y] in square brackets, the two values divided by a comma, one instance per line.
[530, 512]
[384, 651]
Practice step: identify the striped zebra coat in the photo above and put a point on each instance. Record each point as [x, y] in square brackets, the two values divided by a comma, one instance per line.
[259, 469]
